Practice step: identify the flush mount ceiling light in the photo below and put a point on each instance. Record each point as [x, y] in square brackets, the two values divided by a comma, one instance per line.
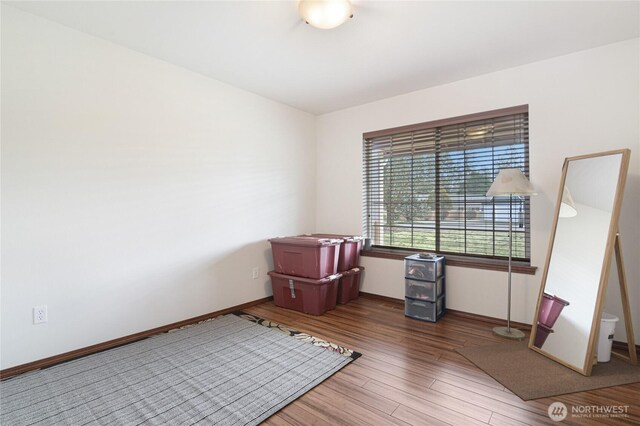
[325, 14]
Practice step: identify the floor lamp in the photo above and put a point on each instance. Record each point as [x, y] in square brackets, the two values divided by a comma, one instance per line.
[510, 182]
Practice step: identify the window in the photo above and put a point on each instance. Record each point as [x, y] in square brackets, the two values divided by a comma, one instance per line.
[425, 185]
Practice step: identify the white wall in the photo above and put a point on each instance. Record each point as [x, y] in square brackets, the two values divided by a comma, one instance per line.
[134, 193]
[578, 104]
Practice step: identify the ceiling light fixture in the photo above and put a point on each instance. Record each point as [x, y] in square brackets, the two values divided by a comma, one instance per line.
[325, 14]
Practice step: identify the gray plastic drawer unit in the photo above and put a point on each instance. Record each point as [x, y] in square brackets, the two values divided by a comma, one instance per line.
[424, 287]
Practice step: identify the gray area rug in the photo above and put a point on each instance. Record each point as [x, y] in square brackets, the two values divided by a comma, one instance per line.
[233, 370]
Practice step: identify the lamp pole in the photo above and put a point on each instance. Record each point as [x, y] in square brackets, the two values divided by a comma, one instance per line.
[507, 331]
[509, 281]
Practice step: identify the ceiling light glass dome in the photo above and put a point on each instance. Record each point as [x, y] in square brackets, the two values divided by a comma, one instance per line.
[325, 14]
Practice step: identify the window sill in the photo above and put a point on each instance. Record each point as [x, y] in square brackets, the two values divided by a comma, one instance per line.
[459, 261]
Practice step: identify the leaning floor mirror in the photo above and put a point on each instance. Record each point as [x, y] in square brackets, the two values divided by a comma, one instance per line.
[580, 252]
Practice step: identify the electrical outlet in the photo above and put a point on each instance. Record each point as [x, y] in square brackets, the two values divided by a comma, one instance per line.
[40, 314]
[256, 273]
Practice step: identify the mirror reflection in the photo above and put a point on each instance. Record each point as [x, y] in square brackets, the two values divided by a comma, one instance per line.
[569, 300]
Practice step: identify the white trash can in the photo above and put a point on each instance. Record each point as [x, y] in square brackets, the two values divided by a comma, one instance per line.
[605, 340]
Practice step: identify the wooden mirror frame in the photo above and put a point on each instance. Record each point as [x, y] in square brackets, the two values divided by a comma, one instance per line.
[606, 264]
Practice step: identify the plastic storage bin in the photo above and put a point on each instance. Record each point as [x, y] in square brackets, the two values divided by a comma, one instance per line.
[349, 285]
[423, 310]
[308, 257]
[605, 339]
[550, 309]
[306, 295]
[423, 268]
[542, 332]
[424, 290]
[349, 249]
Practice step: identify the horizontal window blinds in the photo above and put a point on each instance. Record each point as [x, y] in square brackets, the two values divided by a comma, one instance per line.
[424, 188]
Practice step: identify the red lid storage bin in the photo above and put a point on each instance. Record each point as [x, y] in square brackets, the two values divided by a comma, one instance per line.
[349, 249]
[349, 285]
[313, 297]
[308, 257]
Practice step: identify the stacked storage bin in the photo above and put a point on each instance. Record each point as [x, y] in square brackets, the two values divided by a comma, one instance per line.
[349, 283]
[305, 275]
[424, 287]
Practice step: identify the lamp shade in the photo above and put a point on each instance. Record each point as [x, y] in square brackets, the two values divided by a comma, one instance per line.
[325, 14]
[511, 182]
[567, 206]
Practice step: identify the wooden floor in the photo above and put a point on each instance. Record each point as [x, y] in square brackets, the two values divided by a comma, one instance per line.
[409, 374]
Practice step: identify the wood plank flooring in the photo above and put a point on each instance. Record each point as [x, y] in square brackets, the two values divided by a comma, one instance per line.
[410, 374]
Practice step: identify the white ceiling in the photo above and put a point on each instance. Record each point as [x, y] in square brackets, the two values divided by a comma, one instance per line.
[388, 48]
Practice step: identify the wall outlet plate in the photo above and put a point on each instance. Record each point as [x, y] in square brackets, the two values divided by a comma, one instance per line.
[40, 314]
[256, 273]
